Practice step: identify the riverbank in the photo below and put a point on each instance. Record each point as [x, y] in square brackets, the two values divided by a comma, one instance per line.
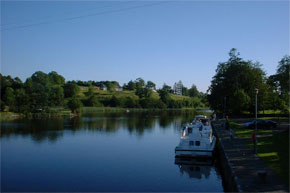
[8, 116]
[243, 169]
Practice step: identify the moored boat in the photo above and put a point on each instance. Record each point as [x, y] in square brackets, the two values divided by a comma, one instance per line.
[197, 140]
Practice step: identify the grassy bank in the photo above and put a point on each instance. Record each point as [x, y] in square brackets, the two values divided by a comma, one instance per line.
[8, 116]
[273, 148]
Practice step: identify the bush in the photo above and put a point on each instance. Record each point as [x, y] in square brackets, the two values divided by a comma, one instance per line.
[93, 102]
[130, 102]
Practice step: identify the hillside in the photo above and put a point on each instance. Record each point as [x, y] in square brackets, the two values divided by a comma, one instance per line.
[123, 94]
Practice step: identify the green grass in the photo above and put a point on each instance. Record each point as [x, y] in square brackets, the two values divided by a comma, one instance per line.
[270, 112]
[7, 116]
[272, 148]
[234, 125]
[178, 97]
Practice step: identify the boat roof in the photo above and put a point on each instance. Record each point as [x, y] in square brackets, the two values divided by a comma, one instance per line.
[200, 116]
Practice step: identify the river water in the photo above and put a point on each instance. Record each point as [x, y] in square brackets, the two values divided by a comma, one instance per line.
[102, 152]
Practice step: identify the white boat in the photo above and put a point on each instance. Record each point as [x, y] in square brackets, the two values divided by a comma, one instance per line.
[197, 140]
[199, 118]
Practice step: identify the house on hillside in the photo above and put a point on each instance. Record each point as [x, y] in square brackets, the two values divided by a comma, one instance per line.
[103, 87]
[118, 88]
[177, 88]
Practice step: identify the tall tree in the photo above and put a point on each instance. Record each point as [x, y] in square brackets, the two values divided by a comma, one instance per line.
[164, 96]
[56, 79]
[9, 98]
[71, 89]
[131, 85]
[283, 75]
[151, 85]
[74, 104]
[140, 83]
[38, 89]
[167, 88]
[236, 76]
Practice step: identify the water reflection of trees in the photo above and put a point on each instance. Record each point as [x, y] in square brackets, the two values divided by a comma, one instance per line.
[38, 129]
[136, 123]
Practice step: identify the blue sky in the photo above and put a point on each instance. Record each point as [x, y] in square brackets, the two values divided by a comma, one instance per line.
[122, 40]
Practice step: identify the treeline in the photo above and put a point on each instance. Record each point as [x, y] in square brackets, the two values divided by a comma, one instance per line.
[46, 92]
[232, 89]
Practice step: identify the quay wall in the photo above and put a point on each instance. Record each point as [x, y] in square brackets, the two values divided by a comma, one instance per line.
[228, 175]
[242, 170]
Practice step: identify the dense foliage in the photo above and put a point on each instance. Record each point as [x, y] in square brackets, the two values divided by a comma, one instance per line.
[232, 89]
[42, 92]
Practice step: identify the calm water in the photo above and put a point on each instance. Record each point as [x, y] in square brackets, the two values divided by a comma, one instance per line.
[101, 152]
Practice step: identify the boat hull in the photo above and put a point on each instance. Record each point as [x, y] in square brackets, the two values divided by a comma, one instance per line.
[192, 153]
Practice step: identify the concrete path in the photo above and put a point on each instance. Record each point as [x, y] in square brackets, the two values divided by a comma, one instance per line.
[248, 171]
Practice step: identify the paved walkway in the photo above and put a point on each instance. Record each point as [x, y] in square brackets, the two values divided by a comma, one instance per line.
[247, 168]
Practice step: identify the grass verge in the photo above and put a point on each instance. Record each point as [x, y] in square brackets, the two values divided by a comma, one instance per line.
[273, 148]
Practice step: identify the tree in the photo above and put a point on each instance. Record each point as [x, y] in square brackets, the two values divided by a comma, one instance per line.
[90, 91]
[56, 96]
[143, 92]
[184, 91]
[147, 103]
[164, 96]
[167, 88]
[283, 75]
[130, 102]
[193, 91]
[114, 102]
[131, 85]
[241, 102]
[40, 78]
[71, 89]
[151, 85]
[38, 89]
[232, 77]
[74, 104]
[94, 102]
[17, 83]
[140, 83]
[22, 101]
[110, 85]
[9, 98]
[56, 79]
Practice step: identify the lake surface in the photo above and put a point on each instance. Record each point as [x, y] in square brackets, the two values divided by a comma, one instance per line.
[101, 152]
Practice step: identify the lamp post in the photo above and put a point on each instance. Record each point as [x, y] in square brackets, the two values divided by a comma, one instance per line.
[256, 116]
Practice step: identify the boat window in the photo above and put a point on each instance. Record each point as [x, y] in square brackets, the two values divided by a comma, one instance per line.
[197, 143]
[189, 130]
[190, 142]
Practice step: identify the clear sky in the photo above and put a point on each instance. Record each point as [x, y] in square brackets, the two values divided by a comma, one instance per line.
[122, 40]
